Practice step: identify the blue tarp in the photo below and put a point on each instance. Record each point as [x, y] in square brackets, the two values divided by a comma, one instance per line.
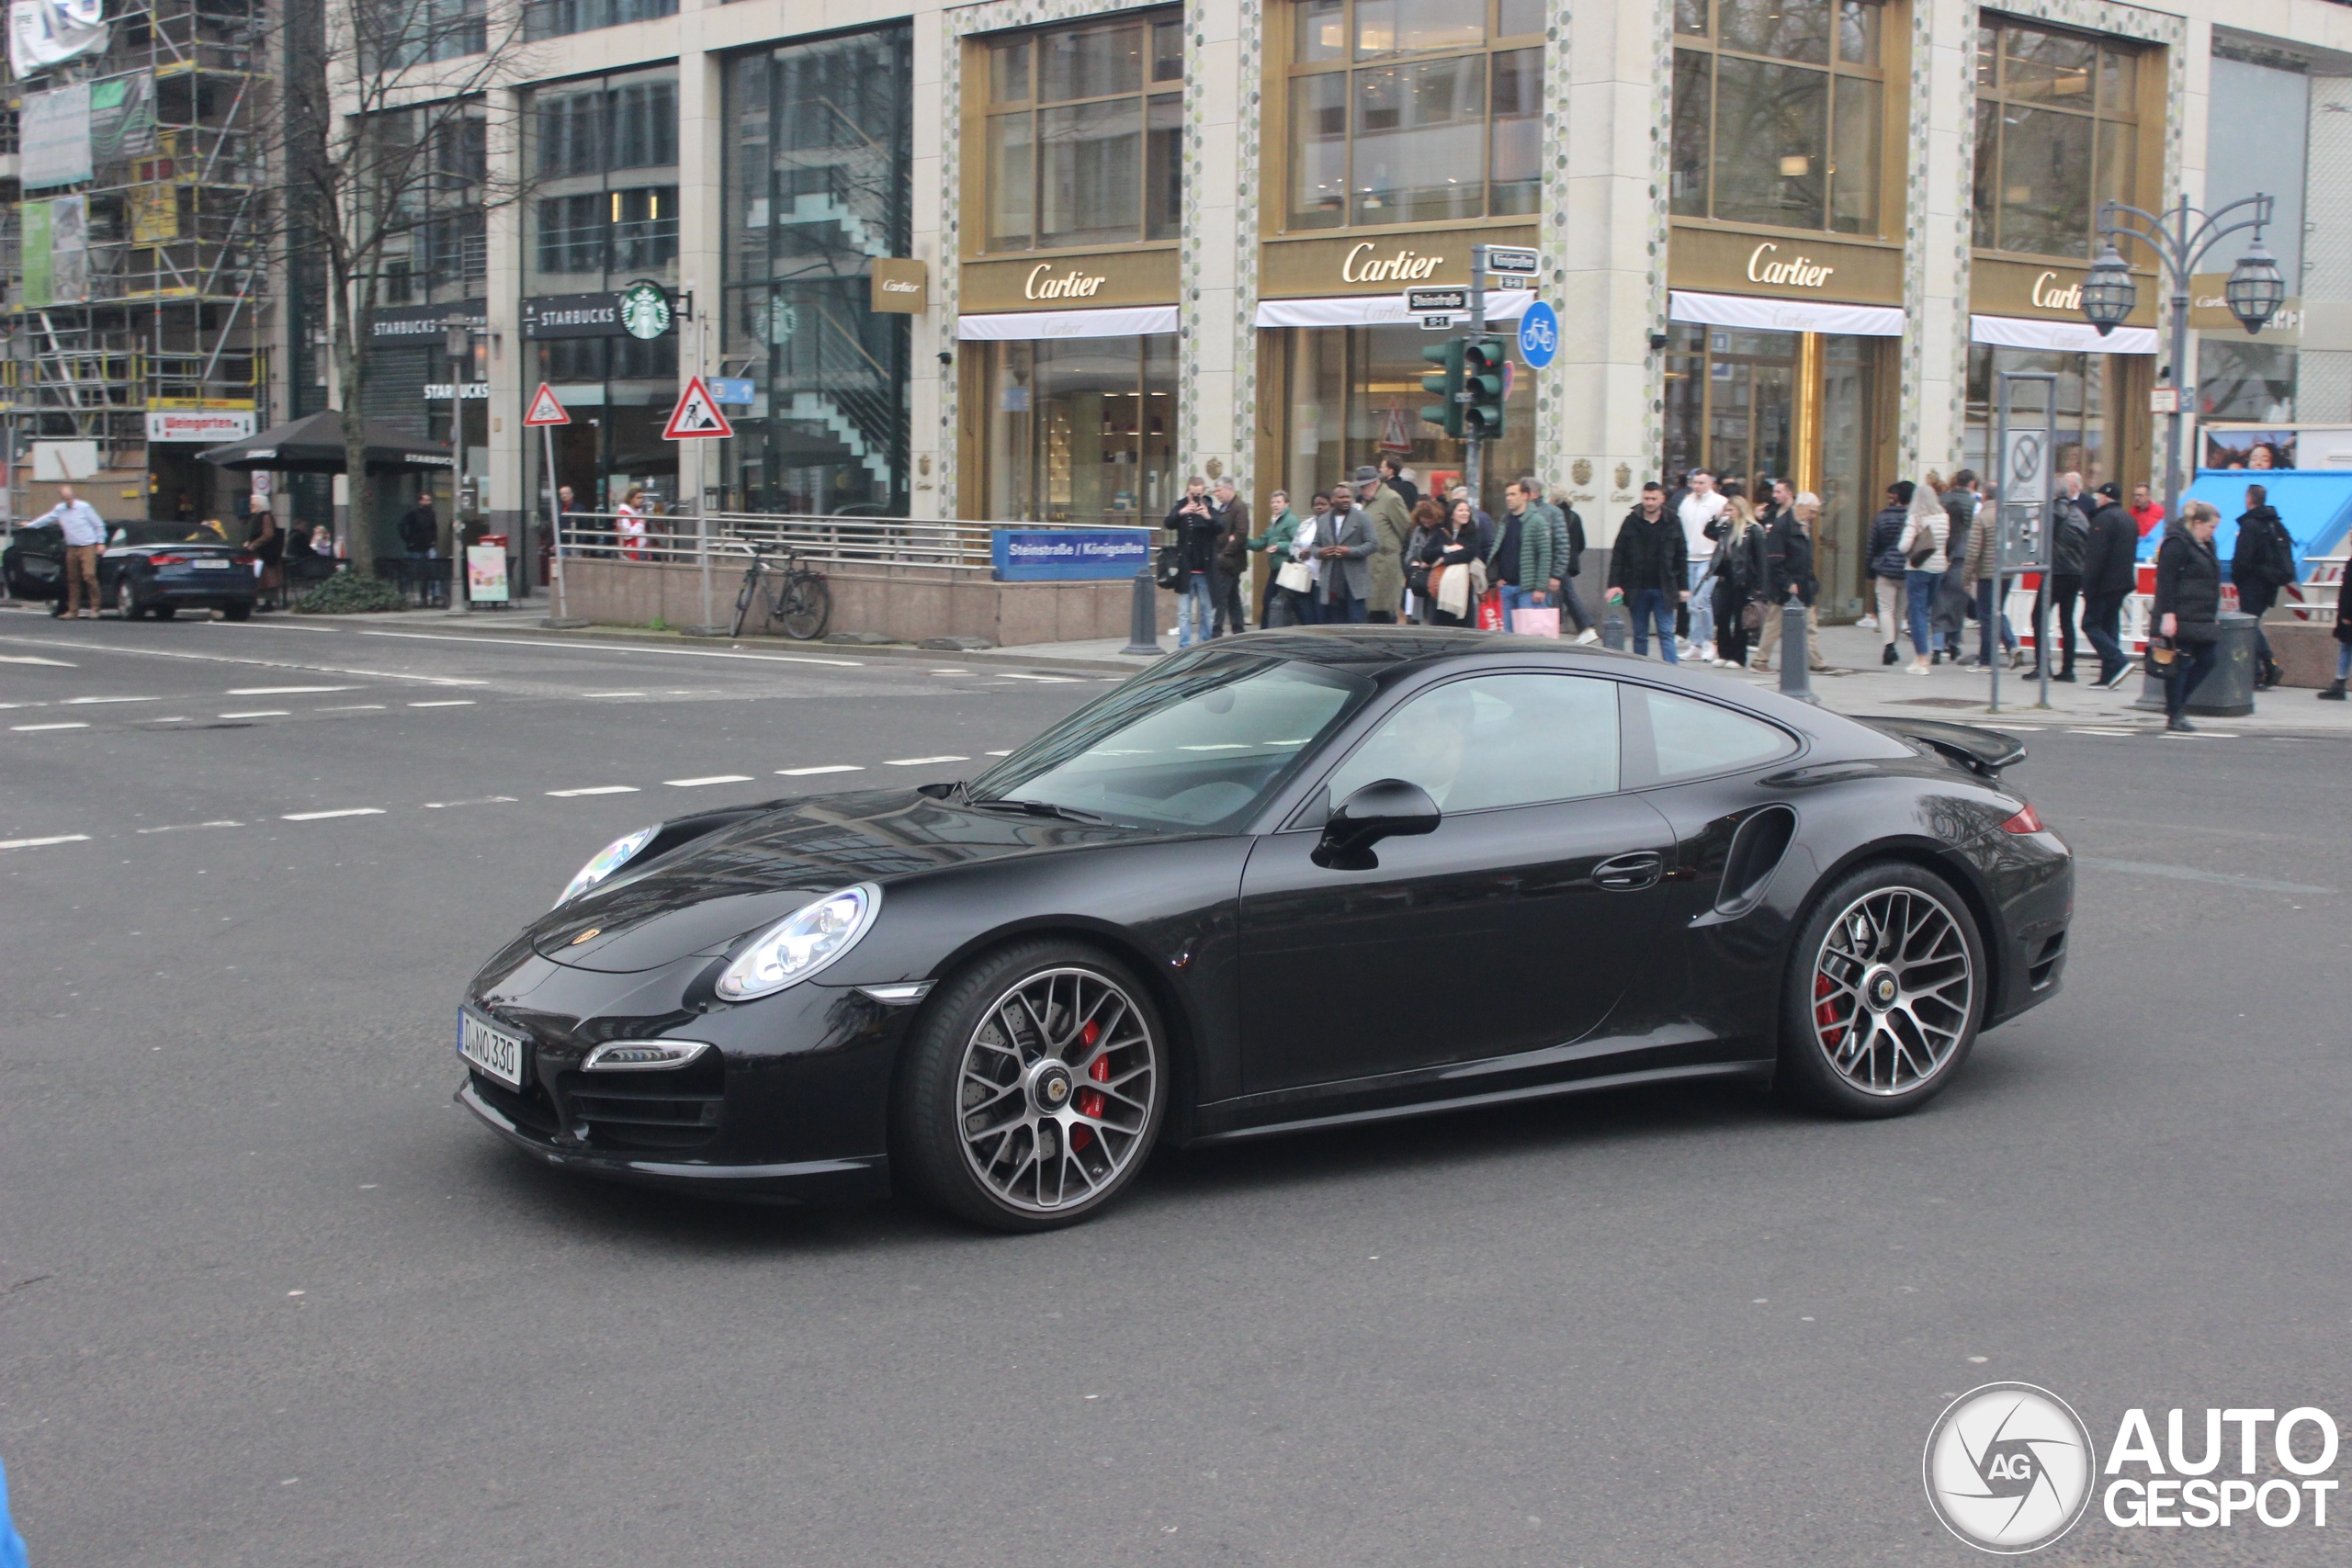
[2316, 508]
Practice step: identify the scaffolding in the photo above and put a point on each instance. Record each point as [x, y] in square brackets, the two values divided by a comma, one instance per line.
[165, 311]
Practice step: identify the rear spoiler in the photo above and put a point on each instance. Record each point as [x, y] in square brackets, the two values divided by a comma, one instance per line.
[1980, 751]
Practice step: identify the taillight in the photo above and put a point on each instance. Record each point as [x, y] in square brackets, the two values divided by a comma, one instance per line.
[2027, 820]
[246, 561]
[167, 560]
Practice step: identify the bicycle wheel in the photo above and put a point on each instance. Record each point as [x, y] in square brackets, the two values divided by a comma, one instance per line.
[743, 600]
[808, 606]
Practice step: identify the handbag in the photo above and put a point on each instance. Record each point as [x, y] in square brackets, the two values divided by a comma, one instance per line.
[1168, 567]
[1295, 576]
[1417, 579]
[1542, 621]
[1751, 616]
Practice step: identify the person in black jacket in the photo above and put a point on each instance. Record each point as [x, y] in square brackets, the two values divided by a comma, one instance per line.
[1649, 569]
[1198, 531]
[2070, 533]
[2110, 557]
[2334, 694]
[2263, 563]
[2188, 607]
[1885, 553]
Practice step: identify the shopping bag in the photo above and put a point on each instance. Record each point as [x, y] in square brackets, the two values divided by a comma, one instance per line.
[1536, 622]
[1296, 576]
[1490, 612]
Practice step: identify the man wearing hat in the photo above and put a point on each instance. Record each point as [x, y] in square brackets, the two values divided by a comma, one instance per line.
[2110, 555]
[1392, 529]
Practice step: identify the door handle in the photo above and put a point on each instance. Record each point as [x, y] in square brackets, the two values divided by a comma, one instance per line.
[1630, 874]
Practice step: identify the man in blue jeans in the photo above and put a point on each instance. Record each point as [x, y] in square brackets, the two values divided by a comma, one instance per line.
[1649, 568]
[1520, 563]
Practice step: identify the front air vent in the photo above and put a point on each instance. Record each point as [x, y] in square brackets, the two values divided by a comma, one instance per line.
[2046, 961]
[1756, 852]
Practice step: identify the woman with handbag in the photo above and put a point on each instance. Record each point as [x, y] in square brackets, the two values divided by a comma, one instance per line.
[1884, 553]
[1925, 530]
[1452, 575]
[2188, 609]
[1429, 515]
[1733, 576]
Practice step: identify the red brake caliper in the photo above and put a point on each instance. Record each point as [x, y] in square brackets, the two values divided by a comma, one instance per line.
[1090, 1101]
[1825, 1013]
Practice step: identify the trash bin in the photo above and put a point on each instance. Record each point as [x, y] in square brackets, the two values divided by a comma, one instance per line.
[2227, 691]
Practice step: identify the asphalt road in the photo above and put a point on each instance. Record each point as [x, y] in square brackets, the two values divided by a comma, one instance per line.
[267, 1298]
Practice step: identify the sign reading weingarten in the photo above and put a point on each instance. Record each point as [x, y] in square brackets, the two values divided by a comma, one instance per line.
[1062, 555]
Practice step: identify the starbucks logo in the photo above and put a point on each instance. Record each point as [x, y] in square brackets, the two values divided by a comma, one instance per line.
[645, 311]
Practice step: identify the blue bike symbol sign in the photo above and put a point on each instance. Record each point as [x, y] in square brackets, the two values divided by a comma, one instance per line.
[1539, 336]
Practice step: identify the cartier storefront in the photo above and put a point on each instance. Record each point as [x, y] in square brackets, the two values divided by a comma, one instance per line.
[1066, 309]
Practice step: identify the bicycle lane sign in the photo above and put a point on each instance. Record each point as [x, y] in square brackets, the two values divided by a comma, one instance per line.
[1539, 336]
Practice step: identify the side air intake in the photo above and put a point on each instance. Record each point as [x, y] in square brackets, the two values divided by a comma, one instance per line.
[1756, 852]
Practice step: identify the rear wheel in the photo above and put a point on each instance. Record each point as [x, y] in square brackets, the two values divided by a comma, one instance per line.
[236, 612]
[808, 606]
[1885, 993]
[126, 602]
[164, 612]
[743, 598]
[1037, 1087]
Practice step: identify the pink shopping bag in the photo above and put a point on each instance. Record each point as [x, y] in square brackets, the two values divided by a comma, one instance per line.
[1544, 622]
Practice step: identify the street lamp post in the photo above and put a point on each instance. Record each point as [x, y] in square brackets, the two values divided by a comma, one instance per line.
[2180, 238]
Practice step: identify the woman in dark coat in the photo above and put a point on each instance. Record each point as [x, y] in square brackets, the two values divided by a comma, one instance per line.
[2188, 607]
[2334, 694]
[1443, 544]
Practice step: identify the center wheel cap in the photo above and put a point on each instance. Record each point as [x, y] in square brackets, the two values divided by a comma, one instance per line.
[1880, 990]
[1050, 1086]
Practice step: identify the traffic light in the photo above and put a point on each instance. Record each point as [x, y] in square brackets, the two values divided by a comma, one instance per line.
[1446, 387]
[1482, 381]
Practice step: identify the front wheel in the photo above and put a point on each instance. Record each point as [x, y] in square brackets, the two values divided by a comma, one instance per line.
[808, 606]
[1885, 993]
[744, 600]
[1036, 1086]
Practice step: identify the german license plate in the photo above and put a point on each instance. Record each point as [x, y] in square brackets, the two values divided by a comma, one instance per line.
[494, 1051]
[209, 565]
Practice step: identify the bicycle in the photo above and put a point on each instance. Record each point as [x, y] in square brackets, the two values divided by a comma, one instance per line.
[796, 597]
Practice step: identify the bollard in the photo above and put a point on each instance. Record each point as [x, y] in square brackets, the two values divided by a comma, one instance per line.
[1796, 657]
[1143, 619]
[1613, 627]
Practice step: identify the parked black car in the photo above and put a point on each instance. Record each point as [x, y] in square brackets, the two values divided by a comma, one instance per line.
[1283, 881]
[146, 568]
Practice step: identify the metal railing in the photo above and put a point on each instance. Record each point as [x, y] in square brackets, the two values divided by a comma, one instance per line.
[942, 544]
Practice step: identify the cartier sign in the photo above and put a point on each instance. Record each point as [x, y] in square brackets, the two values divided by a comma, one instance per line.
[2032, 291]
[1798, 271]
[1100, 280]
[1316, 266]
[1365, 264]
[1043, 283]
[2051, 295]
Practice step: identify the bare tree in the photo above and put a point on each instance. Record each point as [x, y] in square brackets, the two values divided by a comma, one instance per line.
[390, 110]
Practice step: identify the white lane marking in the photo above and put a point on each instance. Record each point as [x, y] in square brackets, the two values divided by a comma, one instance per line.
[618, 647]
[919, 761]
[174, 718]
[287, 665]
[23, 704]
[353, 707]
[2201, 735]
[191, 827]
[612, 693]
[713, 779]
[282, 691]
[270, 627]
[29, 659]
[77, 724]
[40, 843]
[2071, 731]
[827, 768]
[951, 671]
[593, 789]
[446, 702]
[77, 702]
[1049, 679]
[999, 753]
[479, 800]
[322, 816]
[259, 713]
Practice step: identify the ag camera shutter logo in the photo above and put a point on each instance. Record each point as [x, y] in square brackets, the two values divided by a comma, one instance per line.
[2008, 1468]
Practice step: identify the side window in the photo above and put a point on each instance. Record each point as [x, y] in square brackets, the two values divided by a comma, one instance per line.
[1494, 741]
[1689, 738]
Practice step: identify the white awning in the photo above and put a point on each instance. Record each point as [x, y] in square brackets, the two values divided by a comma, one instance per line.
[2067, 337]
[1783, 315]
[1136, 321]
[1376, 310]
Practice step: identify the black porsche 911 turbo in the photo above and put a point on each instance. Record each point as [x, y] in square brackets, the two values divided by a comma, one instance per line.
[1286, 880]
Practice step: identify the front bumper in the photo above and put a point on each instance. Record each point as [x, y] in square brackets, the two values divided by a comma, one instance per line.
[789, 1105]
[2033, 876]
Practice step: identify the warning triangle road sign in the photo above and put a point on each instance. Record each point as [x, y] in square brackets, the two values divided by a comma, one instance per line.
[696, 416]
[546, 409]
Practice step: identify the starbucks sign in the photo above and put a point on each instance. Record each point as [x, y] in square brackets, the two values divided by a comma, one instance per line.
[645, 310]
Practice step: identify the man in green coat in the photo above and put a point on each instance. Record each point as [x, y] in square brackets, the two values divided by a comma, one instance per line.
[1282, 528]
[1392, 530]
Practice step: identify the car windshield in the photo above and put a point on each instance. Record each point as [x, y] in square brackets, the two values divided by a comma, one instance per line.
[1196, 745]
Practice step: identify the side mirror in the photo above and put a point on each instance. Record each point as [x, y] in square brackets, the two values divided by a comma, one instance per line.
[1383, 809]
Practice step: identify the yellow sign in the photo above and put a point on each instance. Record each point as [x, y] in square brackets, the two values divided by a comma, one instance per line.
[902, 286]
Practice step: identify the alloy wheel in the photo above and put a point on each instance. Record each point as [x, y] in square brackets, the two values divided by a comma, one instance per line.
[1893, 990]
[1056, 1089]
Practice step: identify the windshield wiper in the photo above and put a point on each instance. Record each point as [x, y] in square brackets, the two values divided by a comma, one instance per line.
[1039, 809]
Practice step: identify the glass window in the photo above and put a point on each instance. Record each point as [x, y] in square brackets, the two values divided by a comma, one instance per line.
[1081, 150]
[596, 218]
[555, 18]
[2056, 135]
[1198, 742]
[2088, 422]
[1354, 396]
[2240, 380]
[1380, 137]
[1768, 127]
[1081, 429]
[1492, 742]
[1689, 739]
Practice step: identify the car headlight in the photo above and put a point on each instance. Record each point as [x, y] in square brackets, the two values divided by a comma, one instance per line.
[606, 861]
[796, 948]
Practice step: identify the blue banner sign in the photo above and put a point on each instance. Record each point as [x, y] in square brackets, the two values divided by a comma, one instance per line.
[1062, 555]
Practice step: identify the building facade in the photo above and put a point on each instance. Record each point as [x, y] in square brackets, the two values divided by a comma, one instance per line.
[1787, 238]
